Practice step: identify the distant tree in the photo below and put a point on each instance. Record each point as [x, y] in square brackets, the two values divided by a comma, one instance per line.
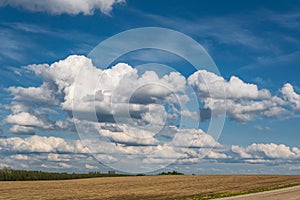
[111, 172]
[171, 173]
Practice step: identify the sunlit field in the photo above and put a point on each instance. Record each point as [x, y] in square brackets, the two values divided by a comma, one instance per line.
[143, 187]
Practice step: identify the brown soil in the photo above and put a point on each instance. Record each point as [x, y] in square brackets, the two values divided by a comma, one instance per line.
[141, 187]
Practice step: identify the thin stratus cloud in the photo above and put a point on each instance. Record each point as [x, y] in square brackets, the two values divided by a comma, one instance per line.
[150, 109]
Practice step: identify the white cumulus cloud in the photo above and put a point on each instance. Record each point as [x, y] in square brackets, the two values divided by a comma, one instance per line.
[121, 93]
[18, 129]
[242, 101]
[25, 119]
[41, 144]
[56, 7]
[290, 95]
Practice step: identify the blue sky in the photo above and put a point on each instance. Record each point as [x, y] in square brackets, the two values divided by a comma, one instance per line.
[257, 42]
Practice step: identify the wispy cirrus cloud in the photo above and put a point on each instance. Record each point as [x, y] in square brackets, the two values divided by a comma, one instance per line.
[287, 20]
[242, 31]
[272, 61]
[262, 128]
[230, 30]
[11, 47]
[18, 45]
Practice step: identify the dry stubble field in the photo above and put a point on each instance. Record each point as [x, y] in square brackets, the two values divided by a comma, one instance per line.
[140, 187]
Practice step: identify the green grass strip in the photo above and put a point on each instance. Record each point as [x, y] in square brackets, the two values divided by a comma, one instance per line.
[230, 194]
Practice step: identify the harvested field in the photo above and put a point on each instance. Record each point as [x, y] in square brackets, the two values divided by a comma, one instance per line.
[140, 187]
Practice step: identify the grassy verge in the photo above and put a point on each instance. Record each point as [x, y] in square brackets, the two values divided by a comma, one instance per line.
[230, 194]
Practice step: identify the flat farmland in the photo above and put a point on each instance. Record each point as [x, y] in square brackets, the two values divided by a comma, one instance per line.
[141, 187]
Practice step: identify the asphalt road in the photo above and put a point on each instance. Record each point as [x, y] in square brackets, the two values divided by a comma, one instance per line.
[291, 193]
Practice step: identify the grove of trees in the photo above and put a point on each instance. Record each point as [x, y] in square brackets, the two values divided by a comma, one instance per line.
[8, 174]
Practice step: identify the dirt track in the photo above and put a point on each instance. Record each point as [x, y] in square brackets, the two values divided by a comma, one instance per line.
[143, 187]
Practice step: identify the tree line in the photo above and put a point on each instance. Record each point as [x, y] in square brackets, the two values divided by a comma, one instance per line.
[8, 174]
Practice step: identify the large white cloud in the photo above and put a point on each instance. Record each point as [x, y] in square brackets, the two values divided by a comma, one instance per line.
[268, 153]
[35, 95]
[49, 161]
[212, 85]
[290, 95]
[118, 93]
[60, 79]
[25, 119]
[60, 150]
[128, 145]
[73, 7]
[41, 144]
[136, 101]
[242, 153]
[242, 101]
[56, 153]
[122, 94]
[271, 153]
